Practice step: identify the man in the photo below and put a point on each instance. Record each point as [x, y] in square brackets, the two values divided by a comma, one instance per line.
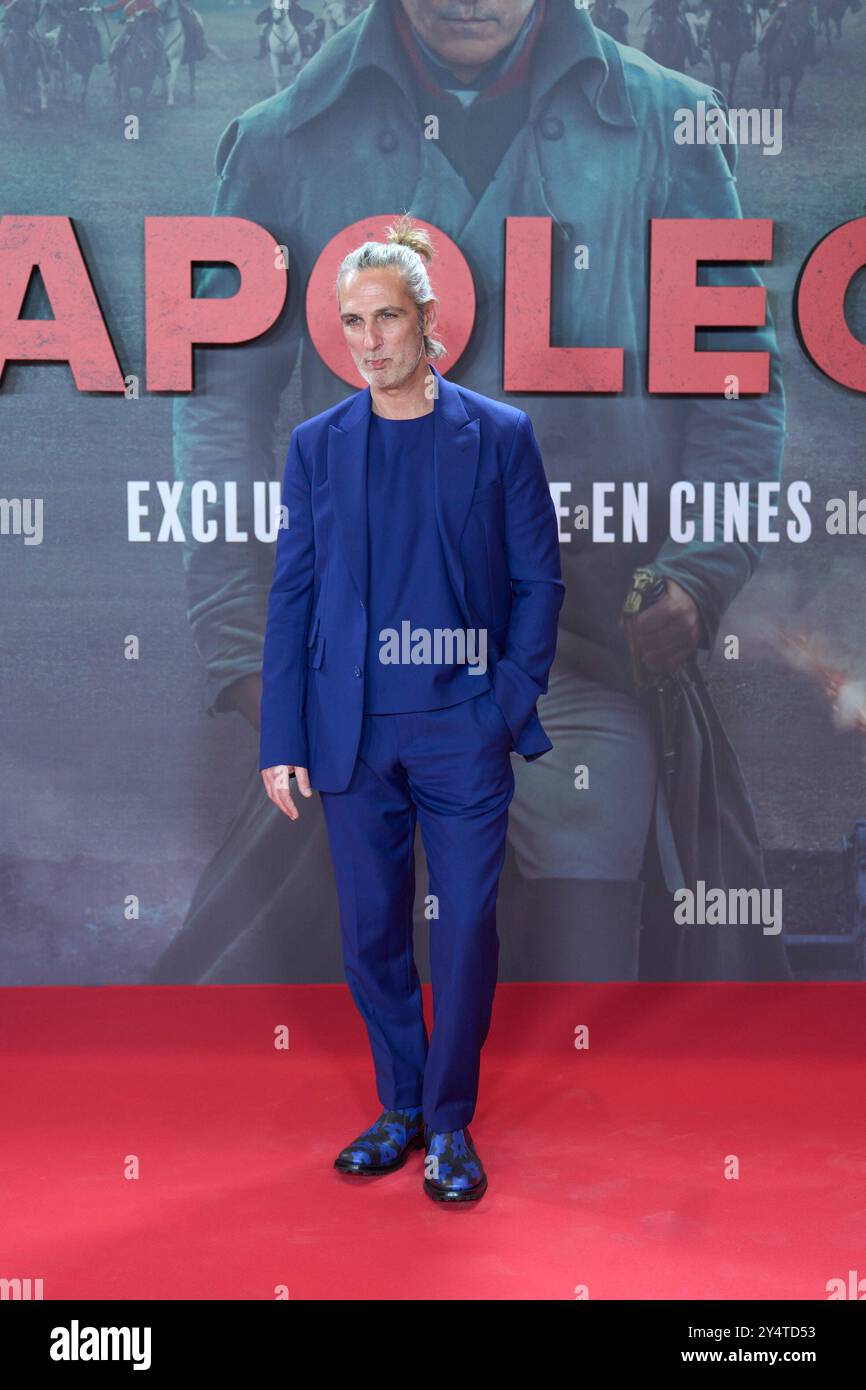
[301, 21]
[668, 16]
[728, 17]
[76, 21]
[129, 11]
[21, 15]
[29, 58]
[425, 517]
[23, 12]
[807, 34]
[608, 16]
[537, 114]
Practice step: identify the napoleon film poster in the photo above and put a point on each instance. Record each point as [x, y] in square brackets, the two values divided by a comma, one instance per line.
[648, 224]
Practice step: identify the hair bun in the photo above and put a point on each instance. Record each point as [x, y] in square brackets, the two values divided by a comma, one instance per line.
[406, 233]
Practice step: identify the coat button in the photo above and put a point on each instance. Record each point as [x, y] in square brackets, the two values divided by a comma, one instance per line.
[387, 141]
[357, 670]
[552, 128]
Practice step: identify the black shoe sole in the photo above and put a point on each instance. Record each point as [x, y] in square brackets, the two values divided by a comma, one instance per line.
[456, 1194]
[375, 1170]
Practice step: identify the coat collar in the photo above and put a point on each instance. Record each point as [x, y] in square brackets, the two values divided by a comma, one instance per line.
[456, 436]
[568, 41]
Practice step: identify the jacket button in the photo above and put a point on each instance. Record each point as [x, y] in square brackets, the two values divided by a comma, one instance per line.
[387, 141]
[552, 128]
[357, 670]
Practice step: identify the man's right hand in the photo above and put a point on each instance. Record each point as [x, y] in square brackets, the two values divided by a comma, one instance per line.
[276, 780]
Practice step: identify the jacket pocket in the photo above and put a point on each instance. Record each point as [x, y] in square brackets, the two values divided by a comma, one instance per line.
[488, 704]
[315, 653]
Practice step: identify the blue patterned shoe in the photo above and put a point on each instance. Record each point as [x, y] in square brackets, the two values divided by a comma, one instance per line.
[385, 1146]
[453, 1172]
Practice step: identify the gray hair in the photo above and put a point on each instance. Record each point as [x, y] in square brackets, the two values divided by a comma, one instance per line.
[406, 249]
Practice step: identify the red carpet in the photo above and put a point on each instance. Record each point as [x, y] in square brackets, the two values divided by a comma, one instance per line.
[606, 1166]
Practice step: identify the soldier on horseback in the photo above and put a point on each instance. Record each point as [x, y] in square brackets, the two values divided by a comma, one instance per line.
[77, 21]
[195, 43]
[23, 59]
[779, 11]
[195, 47]
[22, 14]
[673, 27]
[607, 15]
[673, 14]
[735, 13]
[130, 9]
[302, 22]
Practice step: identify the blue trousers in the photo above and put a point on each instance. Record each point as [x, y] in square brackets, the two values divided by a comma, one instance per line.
[449, 770]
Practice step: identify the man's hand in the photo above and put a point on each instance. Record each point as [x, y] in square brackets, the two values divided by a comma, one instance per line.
[276, 780]
[669, 631]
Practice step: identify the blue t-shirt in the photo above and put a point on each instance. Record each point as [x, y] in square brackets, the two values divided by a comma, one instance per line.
[420, 654]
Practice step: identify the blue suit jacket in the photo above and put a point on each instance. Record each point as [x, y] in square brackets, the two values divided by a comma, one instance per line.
[501, 545]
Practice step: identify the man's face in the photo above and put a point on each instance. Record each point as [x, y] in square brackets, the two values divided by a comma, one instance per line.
[380, 322]
[467, 33]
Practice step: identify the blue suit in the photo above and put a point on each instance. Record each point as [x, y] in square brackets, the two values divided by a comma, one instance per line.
[448, 768]
[501, 544]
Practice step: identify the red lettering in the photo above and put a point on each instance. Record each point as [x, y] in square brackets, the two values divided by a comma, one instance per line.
[76, 334]
[530, 362]
[176, 320]
[679, 305]
[819, 304]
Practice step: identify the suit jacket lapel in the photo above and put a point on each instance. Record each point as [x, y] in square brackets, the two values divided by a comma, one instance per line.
[347, 481]
[457, 440]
